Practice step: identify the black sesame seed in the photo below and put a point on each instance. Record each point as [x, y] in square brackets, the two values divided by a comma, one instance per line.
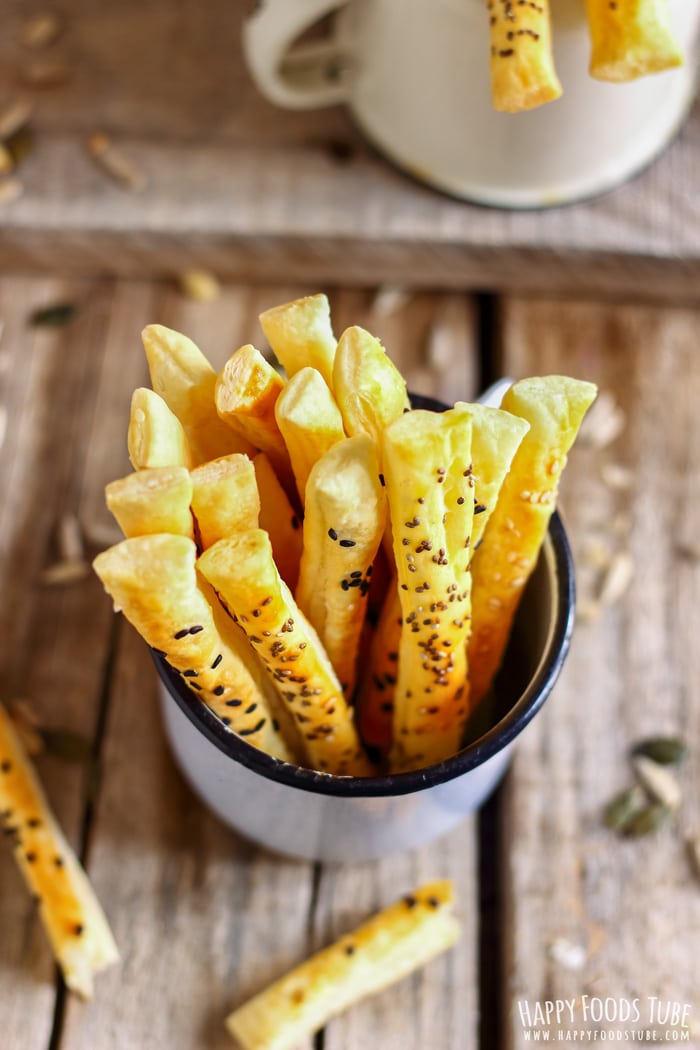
[181, 634]
[33, 822]
[234, 703]
[6, 766]
[295, 522]
[195, 685]
[219, 691]
[30, 857]
[345, 585]
[349, 949]
[410, 901]
[58, 862]
[347, 543]
[479, 508]
[196, 629]
[78, 929]
[190, 673]
[433, 902]
[356, 574]
[382, 482]
[226, 721]
[333, 534]
[217, 661]
[249, 710]
[255, 729]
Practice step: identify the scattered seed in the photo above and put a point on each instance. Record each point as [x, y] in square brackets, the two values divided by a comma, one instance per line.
[617, 477]
[664, 750]
[70, 538]
[53, 316]
[10, 190]
[623, 808]
[46, 72]
[15, 116]
[199, 285]
[40, 30]
[694, 853]
[648, 820]
[112, 161]
[659, 782]
[597, 554]
[66, 745]
[63, 573]
[617, 579]
[568, 954]
[389, 301]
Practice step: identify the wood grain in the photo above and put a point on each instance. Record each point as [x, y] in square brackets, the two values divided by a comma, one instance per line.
[258, 193]
[632, 905]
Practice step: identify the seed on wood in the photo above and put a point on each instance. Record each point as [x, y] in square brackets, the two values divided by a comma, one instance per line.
[15, 116]
[617, 477]
[568, 954]
[46, 72]
[40, 30]
[664, 750]
[694, 852]
[200, 285]
[70, 539]
[660, 783]
[64, 573]
[617, 579]
[115, 163]
[648, 820]
[623, 808]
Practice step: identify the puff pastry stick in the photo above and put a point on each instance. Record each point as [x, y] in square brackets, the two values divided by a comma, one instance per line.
[68, 907]
[156, 437]
[153, 500]
[301, 334]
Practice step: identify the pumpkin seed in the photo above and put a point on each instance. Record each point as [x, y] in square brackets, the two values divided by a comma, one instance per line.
[664, 750]
[114, 163]
[53, 316]
[623, 808]
[648, 820]
[660, 784]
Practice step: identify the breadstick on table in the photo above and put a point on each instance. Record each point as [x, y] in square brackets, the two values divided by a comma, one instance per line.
[300, 333]
[154, 500]
[153, 581]
[224, 497]
[242, 571]
[428, 472]
[522, 66]
[310, 421]
[68, 907]
[631, 38]
[343, 526]
[554, 406]
[247, 389]
[280, 521]
[186, 381]
[369, 389]
[385, 949]
[156, 437]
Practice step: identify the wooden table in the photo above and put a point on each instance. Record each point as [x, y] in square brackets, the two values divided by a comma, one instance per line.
[554, 905]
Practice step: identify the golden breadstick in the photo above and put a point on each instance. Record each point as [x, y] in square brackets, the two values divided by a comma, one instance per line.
[224, 498]
[280, 521]
[343, 524]
[427, 467]
[522, 67]
[310, 422]
[247, 389]
[68, 907]
[153, 581]
[554, 406]
[496, 436]
[369, 389]
[242, 571]
[155, 500]
[386, 948]
[375, 706]
[300, 334]
[156, 437]
[630, 38]
[186, 381]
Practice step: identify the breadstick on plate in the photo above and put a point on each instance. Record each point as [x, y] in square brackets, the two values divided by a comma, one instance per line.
[631, 38]
[310, 422]
[343, 526]
[224, 498]
[72, 916]
[247, 389]
[153, 581]
[186, 381]
[156, 437]
[522, 66]
[369, 389]
[242, 571]
[554, 406]
[280, 521]
[300, 334]
[155, 500]
[428, 472]
[385, 949]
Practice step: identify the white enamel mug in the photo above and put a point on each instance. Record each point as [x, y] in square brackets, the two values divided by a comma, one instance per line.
[317, 816]
[415, 76]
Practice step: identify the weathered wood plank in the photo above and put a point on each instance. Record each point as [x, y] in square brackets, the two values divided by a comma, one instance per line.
[256, 192]
[633, 906]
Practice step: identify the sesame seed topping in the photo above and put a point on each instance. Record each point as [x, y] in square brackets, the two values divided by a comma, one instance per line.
[333, 534]
[217, 661]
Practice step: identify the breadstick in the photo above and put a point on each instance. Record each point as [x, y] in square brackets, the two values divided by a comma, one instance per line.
[153, 580]
[280, 521]
[156, 437]
[224, 498]
[155, 500]
[186, 381]
[554, 406]
[242, 571]
[343, 525]
[300, 334]
[375, 706]
[310, 422]
[522, 67]
[630, 38]
[68, 907]
[427, 467]
[369, 389]
[386, 948]
[247, 389]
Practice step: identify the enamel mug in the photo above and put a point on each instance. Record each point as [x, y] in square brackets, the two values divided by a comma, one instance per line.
[318, 816]
[415, 76]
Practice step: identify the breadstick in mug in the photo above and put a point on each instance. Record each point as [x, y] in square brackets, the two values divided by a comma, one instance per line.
[300, 333]
[154, 500]
[156, 437]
